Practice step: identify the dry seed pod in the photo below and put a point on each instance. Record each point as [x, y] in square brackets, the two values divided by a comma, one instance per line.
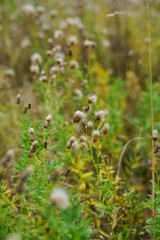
[92, 99]
[84, 145]
[86, 109]
[78, 117]
[45, 145]
[67, 172]
[31, 132]
[27, 173]
[33, 147]
[48, 120]
[96, 135]
[100, 115]
[105, 128]
[18, 99]
[154, 135]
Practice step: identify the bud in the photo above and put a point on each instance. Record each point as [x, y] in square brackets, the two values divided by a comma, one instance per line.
[31, 132]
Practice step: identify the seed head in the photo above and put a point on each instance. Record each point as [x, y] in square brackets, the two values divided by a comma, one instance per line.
[18, 98]
[100, 115]
[90, 124]
[154, 135]
[31, 131]
[86, 109]
[75, 145]
[36, 58]
[78, 117]
[58, 34]
[84, 145]
[83, 138]
[49, 118]
[35, 143]
[73, 64]
[9, 72]
[34, 69]
[105, 128]
[96, 135]
[78, 93]
[89, 44]
[72, 40]
[59, 198]
[92, 99]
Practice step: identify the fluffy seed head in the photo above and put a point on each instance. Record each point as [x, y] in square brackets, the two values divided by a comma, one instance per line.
[83, 138]
[105, 128]
[49, 118]
[90, 124]
[59, 198]
[36, 58]
[75, 145]
[100, 115]
[73, 64]
[31, 131]
[78, 93]
[34, 69]
[78, 117]
[84, 145]
[72, 40]
[89, 44]
[96, 135]
[154, 135]
[35, 143]
[92, 99]
[9, 72]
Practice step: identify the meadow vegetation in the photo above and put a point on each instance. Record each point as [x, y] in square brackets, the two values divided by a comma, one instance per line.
[80, 115]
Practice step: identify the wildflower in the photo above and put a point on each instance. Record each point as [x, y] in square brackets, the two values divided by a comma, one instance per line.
[90, 124]
[31, 132]
[59, 198]
[53, 13]
[154, 135]
[40, 10]
[78, 93]
[9, 72]
[71, 140]
[92, 99]
[78, 117]
[48, 120]
[58, 34]
[54, 70]
[8, 157]
[105, 128]
[100, 115]
[89, 44]
[25, 43]
[72, 40]
[73, 64]
[43, 78]
[33, 147]
[84, 145]
[34, 69]
[49, 53]
[83, 138]
[86, 109]
[95, 135]
[18, 98]
[27, 173]
[50, 41]
[28, 8]
[75, 145]
[36, 58]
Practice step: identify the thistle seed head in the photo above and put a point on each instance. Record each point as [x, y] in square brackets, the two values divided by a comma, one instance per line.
[92, 99]
[100, 115]
[78, 117]
[154, 135]
[59, 198]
